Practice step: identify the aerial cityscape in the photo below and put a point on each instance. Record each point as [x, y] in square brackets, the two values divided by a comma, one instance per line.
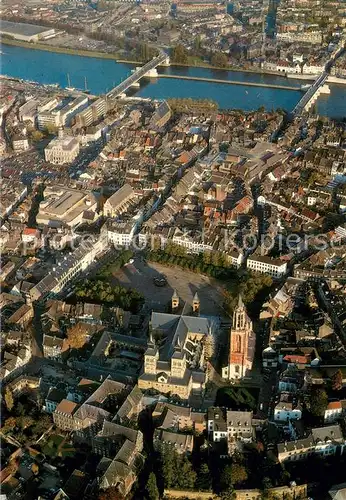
[173, 249]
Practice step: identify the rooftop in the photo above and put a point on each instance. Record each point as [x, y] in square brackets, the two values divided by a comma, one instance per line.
[66, 406]
[22, 28]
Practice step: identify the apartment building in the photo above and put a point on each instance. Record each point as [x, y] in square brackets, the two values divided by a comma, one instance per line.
[63, 415]
[120, 234]
[312, 37]
[68, 268]
[92, 113]
[44, 116]
[323, 441]
[333, 412]
[28, 111]
[286, 411]
[266, 265]
[229, 427]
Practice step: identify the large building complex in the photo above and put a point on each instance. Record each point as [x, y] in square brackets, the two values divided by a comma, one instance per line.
[66, 206]
[25, 32]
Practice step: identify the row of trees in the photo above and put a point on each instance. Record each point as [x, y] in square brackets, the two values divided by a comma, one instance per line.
[253, 288]
[213, 264]
[114, 266]
[192, 105]
[99, 291]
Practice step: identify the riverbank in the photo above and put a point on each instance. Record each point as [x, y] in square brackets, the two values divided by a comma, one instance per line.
[60, 50]
[121, 60]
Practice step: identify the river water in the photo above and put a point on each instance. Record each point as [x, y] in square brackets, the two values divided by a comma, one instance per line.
[103, 74]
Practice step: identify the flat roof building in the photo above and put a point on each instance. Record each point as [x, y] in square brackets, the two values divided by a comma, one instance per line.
[25, 32]
[62, 205]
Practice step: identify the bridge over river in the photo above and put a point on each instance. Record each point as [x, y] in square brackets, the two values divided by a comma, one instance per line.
[147, 69]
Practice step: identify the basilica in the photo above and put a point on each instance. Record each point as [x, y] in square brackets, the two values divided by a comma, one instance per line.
[177, 353]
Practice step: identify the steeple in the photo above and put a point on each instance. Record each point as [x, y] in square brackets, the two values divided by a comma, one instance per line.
[151, 342]
[175, 300]
[178, 345]
[196, 303]
[240, 301]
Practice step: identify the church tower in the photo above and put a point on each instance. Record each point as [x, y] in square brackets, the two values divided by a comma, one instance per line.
[242, 344]
[178, 361]
[196, 303]
[175, 301]
[151, 356]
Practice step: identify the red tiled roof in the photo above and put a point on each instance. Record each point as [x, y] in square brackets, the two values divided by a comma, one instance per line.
[296, 358]
[334, 405]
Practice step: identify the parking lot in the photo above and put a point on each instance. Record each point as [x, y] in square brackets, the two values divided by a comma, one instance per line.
[140, 275]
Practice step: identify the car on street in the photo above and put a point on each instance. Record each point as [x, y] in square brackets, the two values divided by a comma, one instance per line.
[160, 281]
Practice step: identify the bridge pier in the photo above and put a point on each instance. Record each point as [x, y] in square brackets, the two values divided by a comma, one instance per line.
[152, 73]
[166, 62]
[321, 90]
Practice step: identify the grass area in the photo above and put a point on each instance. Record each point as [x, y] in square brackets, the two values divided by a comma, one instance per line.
[56, 446]
[237, 398]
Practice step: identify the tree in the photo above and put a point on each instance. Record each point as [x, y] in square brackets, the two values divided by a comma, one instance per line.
[185, 475]
[36, 135]
[111, 493]
[238, 474]
[318, 402]
[42, 424]
[179, 55]
[9, 425]
[9, 399]
[219, 59]
[151, 487]
[337, 380]
[76, 335]
[226, 478]
[168, 472]
[25, 421]
[203, 481]
[51, 129]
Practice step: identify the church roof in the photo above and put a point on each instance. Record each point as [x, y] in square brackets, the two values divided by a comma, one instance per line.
[177, 327]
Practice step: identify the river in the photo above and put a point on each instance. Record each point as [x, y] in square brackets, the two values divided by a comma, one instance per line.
[103, 74]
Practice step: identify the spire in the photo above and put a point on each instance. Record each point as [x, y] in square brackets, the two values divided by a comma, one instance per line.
[195, 297]
[175, 294]
[240, 301]
[178, 345]
[151, 338]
